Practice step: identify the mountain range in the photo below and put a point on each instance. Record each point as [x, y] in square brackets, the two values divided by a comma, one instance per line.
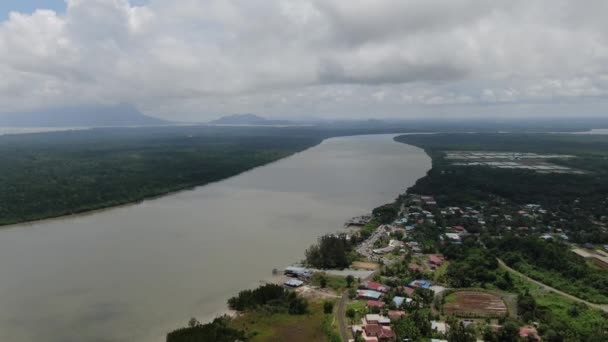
[83, 116]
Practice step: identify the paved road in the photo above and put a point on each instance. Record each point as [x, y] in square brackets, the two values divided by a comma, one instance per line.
[552, 289]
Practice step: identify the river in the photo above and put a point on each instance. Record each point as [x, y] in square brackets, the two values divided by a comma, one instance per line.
[134, 273]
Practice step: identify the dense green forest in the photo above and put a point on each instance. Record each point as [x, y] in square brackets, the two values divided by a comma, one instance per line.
[53, 174]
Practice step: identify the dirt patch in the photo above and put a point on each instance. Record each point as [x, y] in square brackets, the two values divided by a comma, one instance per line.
[310, 292]
[304, 331]
[365, 265]
[474, 304]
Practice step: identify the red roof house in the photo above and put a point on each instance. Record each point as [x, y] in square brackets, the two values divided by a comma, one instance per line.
[395, 314]
[372, 285]
[383, 333]
[375, 304]
[415, 267]
[529, 332]
[435, 259]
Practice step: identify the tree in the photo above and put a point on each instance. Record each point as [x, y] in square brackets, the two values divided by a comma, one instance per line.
[323, 282]
[217, 331]
[350, 313]
[297, 306]
[193, 322]
[328, 307]
[458, 332]
[509, 332]
[404, 328]
[349, 280]
[526, 306]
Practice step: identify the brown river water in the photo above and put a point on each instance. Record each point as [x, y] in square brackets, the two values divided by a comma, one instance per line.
[134, 273]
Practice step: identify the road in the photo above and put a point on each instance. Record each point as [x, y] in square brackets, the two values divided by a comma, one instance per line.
[552, 289]
[341, 315]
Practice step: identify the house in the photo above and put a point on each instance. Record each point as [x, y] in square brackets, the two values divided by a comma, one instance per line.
[408, 291]
[415, 267]
[356, 329]
[436, 260]
[529, 332]
[382, 333]
[375, 304]
[372, 285]
[395, 314]
[293, 283]
[459, 228]
[369, 294]
[440, 327]
[296, 271]
[546, 237]
[420, 283]
[383, 250]
[375, 319]
[453, 237]
[398, 301]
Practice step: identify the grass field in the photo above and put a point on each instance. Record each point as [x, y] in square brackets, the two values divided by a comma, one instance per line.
[336, 283]
[284, 327]
[558, 314]
[360, 309]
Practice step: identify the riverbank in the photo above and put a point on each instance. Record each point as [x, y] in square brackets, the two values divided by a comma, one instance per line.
[101, 209]
[69, 173]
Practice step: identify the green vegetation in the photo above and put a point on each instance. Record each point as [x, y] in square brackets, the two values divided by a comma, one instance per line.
[414, 326]
[576, 205]
[333, 282]
[217, 331]
[560, 317]
[262, 326]
[331, 333]
[471, 265]
[53, 174]
[331, 251]
[273, 297]
[385, 214]
[552, 263]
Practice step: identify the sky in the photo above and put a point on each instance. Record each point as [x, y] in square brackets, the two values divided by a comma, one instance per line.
[201, 59]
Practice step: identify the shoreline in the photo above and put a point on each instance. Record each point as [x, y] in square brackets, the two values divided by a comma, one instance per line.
[102, 209]
[273, 279]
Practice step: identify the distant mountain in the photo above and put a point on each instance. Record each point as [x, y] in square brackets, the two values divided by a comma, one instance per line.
[248, 119]
[97, 116]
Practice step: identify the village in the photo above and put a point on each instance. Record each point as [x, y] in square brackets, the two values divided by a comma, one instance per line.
[399, 273]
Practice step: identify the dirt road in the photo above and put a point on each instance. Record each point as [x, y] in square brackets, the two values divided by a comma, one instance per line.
[552, 289]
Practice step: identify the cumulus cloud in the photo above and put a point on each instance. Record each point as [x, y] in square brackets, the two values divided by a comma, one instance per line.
[191, 59]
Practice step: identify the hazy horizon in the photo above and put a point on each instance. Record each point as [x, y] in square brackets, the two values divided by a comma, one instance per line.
[333, 59]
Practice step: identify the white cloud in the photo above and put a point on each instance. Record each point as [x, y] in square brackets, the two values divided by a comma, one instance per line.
[198, 59]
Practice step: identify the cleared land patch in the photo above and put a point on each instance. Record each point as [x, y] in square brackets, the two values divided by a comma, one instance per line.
[511, 160]
[365, 265]
[474, 304]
